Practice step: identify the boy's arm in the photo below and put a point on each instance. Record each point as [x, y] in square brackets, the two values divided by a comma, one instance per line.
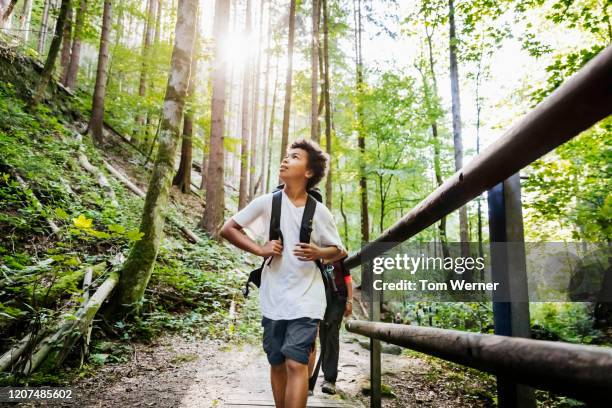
[232, 231]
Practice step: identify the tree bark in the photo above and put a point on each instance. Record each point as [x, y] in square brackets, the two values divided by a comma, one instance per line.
[158, 19]
[363, 189]
[271, 129]
[215, 193]
[6, 9]
[255, 117]
[42, 35]
[244, 146]
[435, 138]
[264, 150]
[328, 133]
[456, 113]
[66, 45]
[182, 179]
[139, 264]
[96, 122]
[75, 54]
[149, 32]
[288, 81]
[314, 70]
[45, 75]
[25, 19]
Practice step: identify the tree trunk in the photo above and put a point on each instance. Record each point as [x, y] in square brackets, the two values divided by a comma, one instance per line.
[435, 138]
[363, 189]
[254, 120]
[266, 144]
[244, 147]
[45, 75]
[271, 129]
[215, 186]
[96, 122]
[158, 19]
[288, 81]
[314, 71]
[456, 112]
[182, 179]
[6, 9]
[139, 264]
[66, 45]
[75, 55]
[25, 19]
[328, 137]
[149, 32]
[42, 35]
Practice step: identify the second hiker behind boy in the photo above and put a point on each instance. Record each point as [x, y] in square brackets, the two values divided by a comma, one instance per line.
[292, 292]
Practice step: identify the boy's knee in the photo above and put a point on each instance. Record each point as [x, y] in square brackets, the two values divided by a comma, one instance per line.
[295, 366]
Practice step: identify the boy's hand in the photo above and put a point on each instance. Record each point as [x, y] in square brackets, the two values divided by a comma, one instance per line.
[307, 252]
[274, 247]
[348, 310]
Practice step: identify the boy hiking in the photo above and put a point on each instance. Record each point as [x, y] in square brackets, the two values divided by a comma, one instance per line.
[292, 292]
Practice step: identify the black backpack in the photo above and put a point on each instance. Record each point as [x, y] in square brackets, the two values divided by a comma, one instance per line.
[305, 229]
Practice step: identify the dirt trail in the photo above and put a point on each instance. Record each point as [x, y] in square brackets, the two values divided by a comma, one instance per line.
[188, 373]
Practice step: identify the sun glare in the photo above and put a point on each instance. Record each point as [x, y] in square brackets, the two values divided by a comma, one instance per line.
[238, 48]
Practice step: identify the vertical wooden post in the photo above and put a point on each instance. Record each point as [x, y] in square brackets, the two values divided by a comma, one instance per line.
[375, 364]
[508, 266]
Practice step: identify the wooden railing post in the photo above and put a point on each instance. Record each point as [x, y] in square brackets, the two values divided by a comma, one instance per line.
[375, 363]
[508, 266]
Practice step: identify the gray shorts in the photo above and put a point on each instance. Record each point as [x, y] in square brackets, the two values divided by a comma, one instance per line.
[292, 339]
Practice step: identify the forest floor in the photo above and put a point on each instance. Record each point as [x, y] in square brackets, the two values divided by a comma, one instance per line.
[176, 371]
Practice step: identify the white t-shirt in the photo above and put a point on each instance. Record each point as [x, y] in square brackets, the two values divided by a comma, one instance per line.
[290, 288]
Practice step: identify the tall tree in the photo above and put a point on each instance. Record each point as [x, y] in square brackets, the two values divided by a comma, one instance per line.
[75, 54]
[6, 10]
[149, 32]
[456, 113]
[66, 45]
[24, 20]
[271, 128]
[96, 122]
[314, 72]
[215, 186]
[44, 21]
[45, 75]
[363, 190]
[432, 18]
[141, 260]
[328, 133]
[244, 146]
[288, 81]
[182, 179]
[255, 117]
[264, 150]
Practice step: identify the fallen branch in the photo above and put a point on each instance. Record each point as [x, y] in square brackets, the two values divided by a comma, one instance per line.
[14, 353]
[140, 193]
[37, 204]
[100, 178]
[54, 349]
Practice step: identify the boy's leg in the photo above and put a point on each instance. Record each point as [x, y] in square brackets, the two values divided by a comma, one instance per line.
[296, 391]
[299, 336]
[278, 378]
[273, 337]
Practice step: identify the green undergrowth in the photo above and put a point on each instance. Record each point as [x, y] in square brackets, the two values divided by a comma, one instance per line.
[191, 288]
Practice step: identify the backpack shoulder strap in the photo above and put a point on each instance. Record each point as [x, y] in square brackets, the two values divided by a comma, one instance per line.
[306, 227]
[277, 198]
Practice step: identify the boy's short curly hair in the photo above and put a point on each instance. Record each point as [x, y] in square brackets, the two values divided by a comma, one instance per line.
[317, 159]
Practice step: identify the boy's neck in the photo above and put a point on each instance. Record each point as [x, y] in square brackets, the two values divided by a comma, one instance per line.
[295, 192]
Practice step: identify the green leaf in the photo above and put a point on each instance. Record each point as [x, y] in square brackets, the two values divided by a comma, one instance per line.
[61, 214]
[134, 235]
[119, 229]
